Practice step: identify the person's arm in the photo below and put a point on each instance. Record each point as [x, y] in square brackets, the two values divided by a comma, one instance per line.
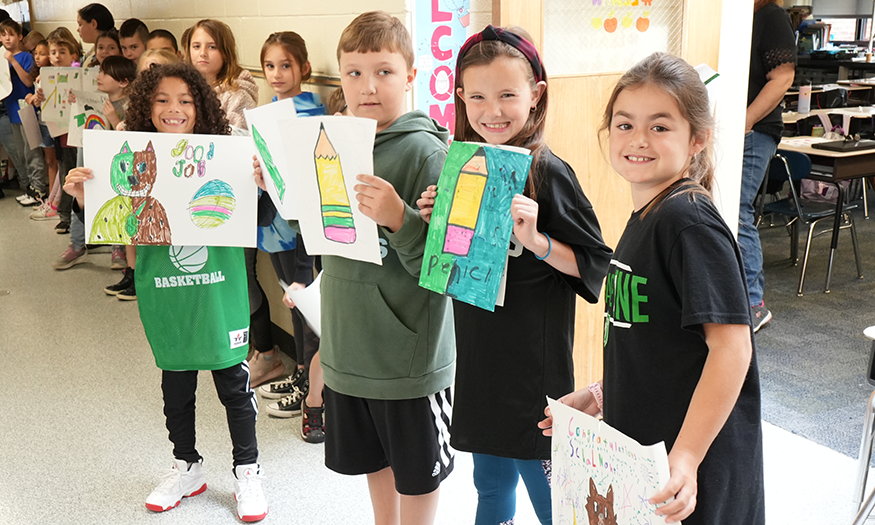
[557, 254]
[779, 81]
[729, 355]
[23, 75]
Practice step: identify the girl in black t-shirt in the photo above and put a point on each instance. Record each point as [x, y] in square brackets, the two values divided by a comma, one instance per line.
[509, 360]
[678, 348]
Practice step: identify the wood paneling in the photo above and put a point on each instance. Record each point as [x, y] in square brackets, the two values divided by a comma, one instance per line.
[576, 106]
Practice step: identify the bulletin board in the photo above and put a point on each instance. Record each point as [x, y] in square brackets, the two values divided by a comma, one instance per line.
[608, 36]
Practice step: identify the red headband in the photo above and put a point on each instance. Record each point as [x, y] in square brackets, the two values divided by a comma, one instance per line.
[512, 39]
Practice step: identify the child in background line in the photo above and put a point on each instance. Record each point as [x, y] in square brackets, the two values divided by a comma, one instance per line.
[156, 57]
[107, 45]
[116, 75]
[92, 20]
[133, 35]
[30, 162]
[284, 60]
[501, 98]
[31, 40]
[188, 328]
[387, 357]
[48, 210]
[336, 103]
[212, 49]
[163, 39]
[680, 367]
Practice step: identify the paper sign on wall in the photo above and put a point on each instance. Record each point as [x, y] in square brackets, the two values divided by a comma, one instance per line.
[471, 226]
[264, 128]
[600, 475]
[165, 188]
[86, 113]
[325, 156]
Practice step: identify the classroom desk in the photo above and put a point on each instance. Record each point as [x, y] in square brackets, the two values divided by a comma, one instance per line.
[833, 167]
[791, 117]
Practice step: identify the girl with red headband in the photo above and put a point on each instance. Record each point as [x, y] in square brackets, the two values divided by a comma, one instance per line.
[510, 360]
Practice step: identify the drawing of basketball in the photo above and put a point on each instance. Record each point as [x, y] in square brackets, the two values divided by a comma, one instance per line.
[465, 210]
[337, 221]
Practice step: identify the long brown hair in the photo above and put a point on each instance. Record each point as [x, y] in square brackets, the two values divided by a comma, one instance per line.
[292, 45]
[533, 132]
[227, 46]
[681, 82]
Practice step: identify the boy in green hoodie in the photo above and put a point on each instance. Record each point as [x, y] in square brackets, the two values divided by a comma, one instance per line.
[388, 346]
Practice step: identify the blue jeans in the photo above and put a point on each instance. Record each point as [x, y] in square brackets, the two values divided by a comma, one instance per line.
[759, 149]
[496, 481]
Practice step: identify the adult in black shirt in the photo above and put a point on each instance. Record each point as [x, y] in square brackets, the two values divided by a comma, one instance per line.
[772, 69]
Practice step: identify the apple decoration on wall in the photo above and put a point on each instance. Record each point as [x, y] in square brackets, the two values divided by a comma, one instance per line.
[611, 23]
[643, 23]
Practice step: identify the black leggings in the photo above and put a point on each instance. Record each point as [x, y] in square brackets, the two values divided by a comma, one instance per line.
[232, 385]
[259, 308]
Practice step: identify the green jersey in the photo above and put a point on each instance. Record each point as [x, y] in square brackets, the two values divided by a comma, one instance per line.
[194, 305]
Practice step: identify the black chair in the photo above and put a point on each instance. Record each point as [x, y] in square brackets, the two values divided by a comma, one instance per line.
[792, 167]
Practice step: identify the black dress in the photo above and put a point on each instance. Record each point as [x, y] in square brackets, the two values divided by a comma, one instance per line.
[509, 360]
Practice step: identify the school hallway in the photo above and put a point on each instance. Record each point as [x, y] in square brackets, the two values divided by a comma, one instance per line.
[83, 437]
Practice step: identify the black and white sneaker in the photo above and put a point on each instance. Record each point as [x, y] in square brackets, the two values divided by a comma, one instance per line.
[126, 282]
[760, 316]
[284, 387]
[290, 405]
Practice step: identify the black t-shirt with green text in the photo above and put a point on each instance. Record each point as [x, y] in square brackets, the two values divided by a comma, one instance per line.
[673, 270]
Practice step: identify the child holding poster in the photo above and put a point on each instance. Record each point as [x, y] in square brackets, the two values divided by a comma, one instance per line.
[501, 98]
[678, 346]
[284, 60]
[191, 328]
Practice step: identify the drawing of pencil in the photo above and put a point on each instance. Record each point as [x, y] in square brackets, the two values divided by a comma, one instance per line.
[337, 221]
[466, 204]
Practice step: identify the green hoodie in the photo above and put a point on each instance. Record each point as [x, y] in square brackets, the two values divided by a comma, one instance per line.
[384, 337]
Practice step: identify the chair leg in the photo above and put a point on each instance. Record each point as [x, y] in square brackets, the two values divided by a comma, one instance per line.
[854, 242]
[865, 453]
[794, 243]
[805, 259]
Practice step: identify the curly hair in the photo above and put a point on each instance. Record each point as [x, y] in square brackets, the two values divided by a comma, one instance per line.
[209, 117]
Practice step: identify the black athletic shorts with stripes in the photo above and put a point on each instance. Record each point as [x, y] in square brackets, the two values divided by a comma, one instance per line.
[364, 436]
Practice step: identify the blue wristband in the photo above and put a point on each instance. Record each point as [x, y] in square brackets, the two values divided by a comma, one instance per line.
[549, 248]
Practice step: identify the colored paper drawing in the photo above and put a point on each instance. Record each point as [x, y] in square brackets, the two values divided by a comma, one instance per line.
[138, 196]
[337, 218]
[602, 474]
[263, 125]
[212, 205]
[86, 113]
[329, 153]
[269, 165]
[471, 227]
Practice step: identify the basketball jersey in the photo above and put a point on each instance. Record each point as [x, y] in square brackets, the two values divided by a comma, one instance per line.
[194, 305]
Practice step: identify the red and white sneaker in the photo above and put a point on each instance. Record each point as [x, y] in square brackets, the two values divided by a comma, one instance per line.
[251, 505]
[184, 480]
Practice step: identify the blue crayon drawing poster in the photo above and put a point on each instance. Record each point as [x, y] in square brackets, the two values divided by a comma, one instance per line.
[470, 229]
[600, 475]
[440, 30]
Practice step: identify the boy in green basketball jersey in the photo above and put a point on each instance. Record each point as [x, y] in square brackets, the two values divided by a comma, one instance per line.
[193, 300]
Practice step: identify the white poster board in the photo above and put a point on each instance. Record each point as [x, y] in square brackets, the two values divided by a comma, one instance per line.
[5, 77]
[308, 301]
[164, 188]
[599, 471]
[86, 113]
[264, 129]
[57, 83]
[325, 155]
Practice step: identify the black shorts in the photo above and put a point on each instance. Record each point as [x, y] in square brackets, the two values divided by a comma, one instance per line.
[363, 436]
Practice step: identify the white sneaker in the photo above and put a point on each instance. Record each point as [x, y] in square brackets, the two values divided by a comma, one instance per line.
[21, 197]
[251, 505]
[28, 201]
[183, 480]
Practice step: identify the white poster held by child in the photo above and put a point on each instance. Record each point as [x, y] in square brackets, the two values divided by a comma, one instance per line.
[600, 475]
[86, 113]
[271, 154]
[57, 83]
[56, 129]
[168, 188]
[326, 154]
[308, 301]
[30, 124]
[5, 77]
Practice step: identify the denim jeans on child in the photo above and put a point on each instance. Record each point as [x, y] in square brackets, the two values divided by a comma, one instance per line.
[759, 148]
